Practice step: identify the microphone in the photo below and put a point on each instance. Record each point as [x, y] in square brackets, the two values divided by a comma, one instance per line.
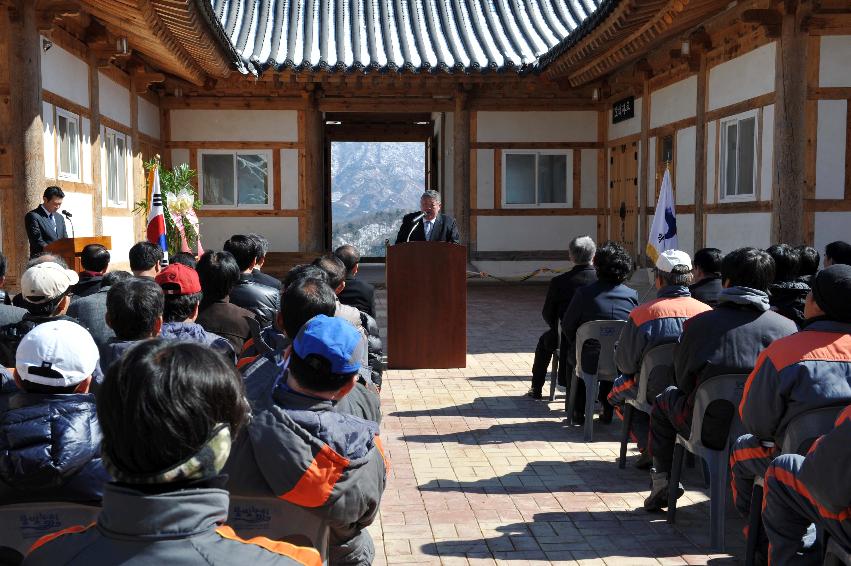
[68, 215]
[416, 221]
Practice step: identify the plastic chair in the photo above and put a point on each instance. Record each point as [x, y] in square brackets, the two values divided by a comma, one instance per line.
[21, 524]
[606, 332]
[799, 436]
[554, 371]
[278, 520]
[729, 388]
[655, 367]
[835, 555]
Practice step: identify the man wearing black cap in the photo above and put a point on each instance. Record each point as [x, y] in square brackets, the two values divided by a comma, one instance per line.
[795, 374]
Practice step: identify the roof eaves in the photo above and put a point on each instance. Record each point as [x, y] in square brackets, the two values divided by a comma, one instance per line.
[205, 9]
[582, 30]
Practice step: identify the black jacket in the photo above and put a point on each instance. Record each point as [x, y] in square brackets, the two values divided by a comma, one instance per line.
[788, 298]
[260, 299]
[706, 290]
[228, 321]
[561, 290]
[359, 294]
[88, 285]
[444, 230]
[40, 229]
[265, 279]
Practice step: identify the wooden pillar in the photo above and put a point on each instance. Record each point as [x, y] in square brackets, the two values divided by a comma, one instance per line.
[139, 223]
[26, 134]
[602, 176]
[461, 166]
[790, 85]
[700, 158]
[94, 136]
[643, 189]
[312, 235]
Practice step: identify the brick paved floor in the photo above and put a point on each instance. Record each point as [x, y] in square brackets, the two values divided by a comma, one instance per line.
[483, 475]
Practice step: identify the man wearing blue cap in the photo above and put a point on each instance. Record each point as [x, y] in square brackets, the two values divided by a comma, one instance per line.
[300, 433]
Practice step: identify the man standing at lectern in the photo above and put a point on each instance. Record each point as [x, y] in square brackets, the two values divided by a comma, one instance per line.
[428, 225]
[44, 223]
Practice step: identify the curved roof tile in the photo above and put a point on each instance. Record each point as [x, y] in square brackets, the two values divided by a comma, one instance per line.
[399, 35]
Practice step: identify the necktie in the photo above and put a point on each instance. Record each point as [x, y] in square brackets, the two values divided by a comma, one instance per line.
[428, 229]
[53, 219]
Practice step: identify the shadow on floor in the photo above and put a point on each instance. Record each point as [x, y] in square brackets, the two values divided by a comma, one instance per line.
[496, 406]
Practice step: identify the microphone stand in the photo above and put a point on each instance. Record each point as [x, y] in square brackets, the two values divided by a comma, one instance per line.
[408, 239]
[71, 223]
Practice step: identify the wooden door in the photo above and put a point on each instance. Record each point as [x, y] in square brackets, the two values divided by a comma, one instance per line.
[623, 196]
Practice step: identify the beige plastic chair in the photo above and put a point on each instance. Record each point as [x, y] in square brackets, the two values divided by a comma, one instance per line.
[22, 524]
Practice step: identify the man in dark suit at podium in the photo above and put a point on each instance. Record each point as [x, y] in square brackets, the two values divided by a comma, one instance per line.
[428, 225]
[44, 224]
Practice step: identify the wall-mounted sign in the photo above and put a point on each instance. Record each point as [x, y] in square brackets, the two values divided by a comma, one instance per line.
[623, 110]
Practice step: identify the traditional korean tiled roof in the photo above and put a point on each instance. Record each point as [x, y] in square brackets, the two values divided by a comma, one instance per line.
[451, 36]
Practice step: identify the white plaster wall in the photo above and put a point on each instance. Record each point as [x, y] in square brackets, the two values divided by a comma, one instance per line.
[685, 165]
[627, 127]
[484, 178]
[685, 233]
[149, 118]
[744, 77]
[86, 146]
[835, 61]
[282, 233]
[564, 126]
[522, 233]
[710, 162]
[830, 226]
[80, 205]
[588, 176]
[766, 176]
[732, 231]
[289, 179]
[114, 100]
[518, 268]
[234, 125]
[830, 149]
[120, 229]
[179, 157]
[65, 74]
[674, 102]
[48, 141]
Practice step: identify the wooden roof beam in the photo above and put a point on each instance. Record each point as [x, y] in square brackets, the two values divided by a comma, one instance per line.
[770, 20]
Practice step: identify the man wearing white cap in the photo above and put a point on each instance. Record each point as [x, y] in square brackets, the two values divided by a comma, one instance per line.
[654, 323]
[49, 433]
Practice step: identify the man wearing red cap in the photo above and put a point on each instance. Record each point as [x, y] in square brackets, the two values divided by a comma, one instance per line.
[182, 290]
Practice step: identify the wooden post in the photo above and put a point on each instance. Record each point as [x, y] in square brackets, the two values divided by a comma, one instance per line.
[700, 157]
[602, 176]
[790, 86]
[643, 189]
[27, 129]
[94, 137]
[461, 166]
[139, 182]
[314, 178]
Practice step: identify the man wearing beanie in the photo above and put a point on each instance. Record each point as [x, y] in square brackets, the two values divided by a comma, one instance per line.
[50, 439]
[799, 373]
[166, 504]
[301, 432]
[652, 324]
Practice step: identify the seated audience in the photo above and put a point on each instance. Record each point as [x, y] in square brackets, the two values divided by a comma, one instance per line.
[262, 246]
[559, 294]
[707, 276]
[788, 293]
[605, 299]
[301, 432]
[134, 311]
[800, 491]
[366, 325]
[145, 260]
[218, 273]
[9, 314]
[95, 261]
[725, 340]
[167, 505]
[809, 265]
[182, 296]
[649, 325]
[260, 299]
[183, 258]
[837, 252]
[805, 371]
[91, 311]
[50, 440]
[357, 293]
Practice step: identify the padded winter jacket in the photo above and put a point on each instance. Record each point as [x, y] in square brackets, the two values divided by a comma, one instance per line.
[262, 300]
[788, 298]
[50, 448]
[302, 451]
[804, 371]
[178, 528]
[191, 332]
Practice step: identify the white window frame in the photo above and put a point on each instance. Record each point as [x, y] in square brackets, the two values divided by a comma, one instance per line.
[722, 157]
[70, 116]
[568, 162]
[267, 153]
[108, 135]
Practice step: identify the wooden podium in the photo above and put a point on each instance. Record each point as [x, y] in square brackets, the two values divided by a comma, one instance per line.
[70, 249]
[427, 305]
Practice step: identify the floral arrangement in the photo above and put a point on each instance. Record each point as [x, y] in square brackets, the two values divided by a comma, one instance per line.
[180, 203]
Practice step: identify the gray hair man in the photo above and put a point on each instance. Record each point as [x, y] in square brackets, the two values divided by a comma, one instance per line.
[428, 225]
[559, 294]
